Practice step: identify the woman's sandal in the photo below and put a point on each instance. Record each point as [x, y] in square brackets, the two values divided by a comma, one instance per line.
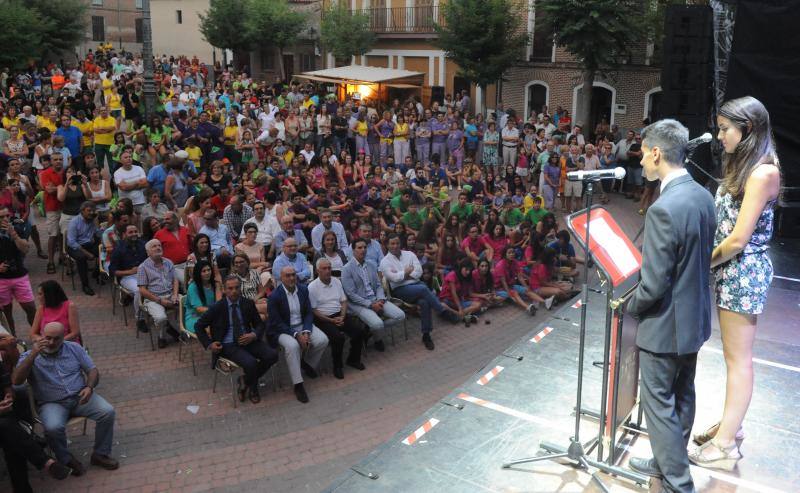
[711, 432]
[713, 456]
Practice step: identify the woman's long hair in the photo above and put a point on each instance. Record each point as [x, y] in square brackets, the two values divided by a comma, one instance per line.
[757, 146]
[198, 280]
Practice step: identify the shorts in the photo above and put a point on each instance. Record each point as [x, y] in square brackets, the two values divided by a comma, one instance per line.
[464, 303]
[634, 176]
[63, 223]
[520, 289]
[18, 289]
[573, 189]
[51, 223]
[523, 172]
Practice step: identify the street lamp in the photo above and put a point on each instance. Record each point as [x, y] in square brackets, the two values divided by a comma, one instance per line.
[149, 87]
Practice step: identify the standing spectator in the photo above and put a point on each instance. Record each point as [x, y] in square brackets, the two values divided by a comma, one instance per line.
[131, 180]
[551, 175]
[128, 254]
[622, 158]
[83, 241]
[158, 286]
[491, 139]
[401, 135]
[14, 280]
[439, 131]
[291, 325]
[423, 141]
[73, 140]
[385, 130]
[403, 271]
[103, 128]
[510, 138]
[50, 179]
[329, 304]
[63, 382]
[54, 306]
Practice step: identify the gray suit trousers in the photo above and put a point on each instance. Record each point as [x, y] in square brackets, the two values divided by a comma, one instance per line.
[667, 389]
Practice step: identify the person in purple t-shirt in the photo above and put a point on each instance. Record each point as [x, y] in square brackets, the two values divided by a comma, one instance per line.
[385, 128]
[552, 178]
[440, 129]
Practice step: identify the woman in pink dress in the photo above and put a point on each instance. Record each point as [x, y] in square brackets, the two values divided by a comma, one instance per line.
[54, 306]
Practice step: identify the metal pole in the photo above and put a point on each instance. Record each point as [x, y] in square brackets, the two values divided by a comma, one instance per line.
[149, 87]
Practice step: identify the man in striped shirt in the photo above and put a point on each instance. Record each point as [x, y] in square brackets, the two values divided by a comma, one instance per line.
[158, 287]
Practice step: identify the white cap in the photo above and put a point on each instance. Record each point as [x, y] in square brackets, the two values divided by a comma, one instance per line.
[182, 154]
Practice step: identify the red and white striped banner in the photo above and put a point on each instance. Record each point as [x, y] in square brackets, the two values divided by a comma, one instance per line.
[538, 337]
[425, 428]
[489, 375]
[577, 304]
[505, 410]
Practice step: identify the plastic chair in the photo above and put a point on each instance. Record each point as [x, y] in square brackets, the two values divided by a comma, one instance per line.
[186, 337]
[73, 421]
[229, 368]
[148, 320]
[69, 263]
[106, 277]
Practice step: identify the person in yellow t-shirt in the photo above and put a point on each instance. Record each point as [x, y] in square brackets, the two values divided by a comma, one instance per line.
[195, 153]
[48, 121]
[10, 119]
[104, 127]
[86, 127]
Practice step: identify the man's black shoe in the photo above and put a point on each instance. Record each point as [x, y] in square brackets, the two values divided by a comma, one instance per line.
[300, 393]
[379, 346]
[356, 364]
[141, 326]
[338, 373]
[308, 370]
[162, 343]
[174, 334]
[648, 467]
[88, 291]
[426, 339]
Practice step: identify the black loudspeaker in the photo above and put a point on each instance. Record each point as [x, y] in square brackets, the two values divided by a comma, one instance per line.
[437, 94]
[687, 66]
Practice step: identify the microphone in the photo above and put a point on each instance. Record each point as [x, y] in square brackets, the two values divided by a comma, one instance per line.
[616, 173]
[697, 141]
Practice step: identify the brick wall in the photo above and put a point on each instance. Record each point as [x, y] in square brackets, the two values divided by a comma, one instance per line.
[631, 84]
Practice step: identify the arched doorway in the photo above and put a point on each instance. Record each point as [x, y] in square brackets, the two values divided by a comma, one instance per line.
[604, 97]
[537, 94]
[652, 104]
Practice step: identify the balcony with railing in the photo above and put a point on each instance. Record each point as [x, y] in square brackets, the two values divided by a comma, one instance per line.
[404, 20]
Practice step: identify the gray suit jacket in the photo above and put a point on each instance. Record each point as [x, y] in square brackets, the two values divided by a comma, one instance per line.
[353, 283]
[672, 300]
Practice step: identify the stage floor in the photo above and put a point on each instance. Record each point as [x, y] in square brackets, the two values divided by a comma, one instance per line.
[508, 406]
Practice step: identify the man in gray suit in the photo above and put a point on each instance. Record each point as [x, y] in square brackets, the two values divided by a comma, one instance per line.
[672, 302]
[364, 292]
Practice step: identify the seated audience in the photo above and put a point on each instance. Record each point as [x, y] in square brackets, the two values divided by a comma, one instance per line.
[158, 288]
[128, 254]
[54, 306]
[201, 294]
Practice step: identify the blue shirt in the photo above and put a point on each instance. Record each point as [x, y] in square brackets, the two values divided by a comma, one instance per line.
[157, 177]
[299, 263]
[319, 230]
[568, 250]
[279, 238]
[437, 126]
[219, 237]
[72, 138]
[61, 375]
[80, 232]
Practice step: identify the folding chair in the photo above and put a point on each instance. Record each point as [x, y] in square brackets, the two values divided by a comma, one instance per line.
[69, 263]
[74, 421]
[186, 337]
[229, 368]
[103, 272]
[148, 320]
[406, 307]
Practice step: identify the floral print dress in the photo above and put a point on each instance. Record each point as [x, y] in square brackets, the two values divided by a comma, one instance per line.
[741, 283]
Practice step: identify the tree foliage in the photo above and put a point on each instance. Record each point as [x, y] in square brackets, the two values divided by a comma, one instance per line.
[273, 22]
[484, 37]
[35, 29]
[345, 33]
[597, 32]
[222, 25]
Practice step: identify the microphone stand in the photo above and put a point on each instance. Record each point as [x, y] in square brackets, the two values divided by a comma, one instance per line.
[576, 451]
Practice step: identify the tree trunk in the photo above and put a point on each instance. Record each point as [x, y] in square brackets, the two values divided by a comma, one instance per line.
[585, 104]
[480, 100]
[281, 70]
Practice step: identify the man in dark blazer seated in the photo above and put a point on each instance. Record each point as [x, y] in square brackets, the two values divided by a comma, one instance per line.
[237, 334]
[672, 302]
[291, 324]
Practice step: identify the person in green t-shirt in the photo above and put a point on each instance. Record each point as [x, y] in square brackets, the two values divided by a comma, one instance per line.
[413, 219]
[401, 202]
[461, 208]
[511, 216]
[536, 213]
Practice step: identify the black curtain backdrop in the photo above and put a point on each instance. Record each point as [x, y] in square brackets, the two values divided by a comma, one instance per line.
[765, 64]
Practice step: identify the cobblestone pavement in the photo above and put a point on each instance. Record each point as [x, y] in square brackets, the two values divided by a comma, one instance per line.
[280, 444]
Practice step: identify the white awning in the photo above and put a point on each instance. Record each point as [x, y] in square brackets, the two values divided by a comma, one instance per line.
[360, 74]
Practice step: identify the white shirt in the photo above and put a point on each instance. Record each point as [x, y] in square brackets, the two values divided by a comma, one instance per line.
[295, 316]
[133, 175]
[676, 173]
[512, 132]
[327, 298]
[267, 229]
[591, 163]
[394, 269]
[309, 155]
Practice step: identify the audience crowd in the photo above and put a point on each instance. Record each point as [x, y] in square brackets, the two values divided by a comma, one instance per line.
[275, 215]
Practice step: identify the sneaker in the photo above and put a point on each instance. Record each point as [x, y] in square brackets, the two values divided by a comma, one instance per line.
[548, 303]
[426, 339]
[467, 320]
[532, 309]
